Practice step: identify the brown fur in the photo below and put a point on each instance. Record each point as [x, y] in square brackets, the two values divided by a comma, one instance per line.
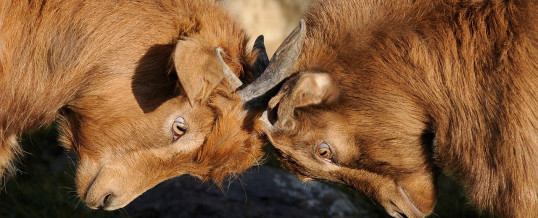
[423, 85]
[107, 70]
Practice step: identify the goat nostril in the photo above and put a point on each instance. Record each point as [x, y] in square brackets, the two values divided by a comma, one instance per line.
[107, 200]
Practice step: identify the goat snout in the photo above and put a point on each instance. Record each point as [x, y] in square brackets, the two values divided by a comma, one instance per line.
[101, 196]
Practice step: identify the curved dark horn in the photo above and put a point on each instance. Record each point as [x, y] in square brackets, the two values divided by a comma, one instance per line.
[279, 68]
[262, 61]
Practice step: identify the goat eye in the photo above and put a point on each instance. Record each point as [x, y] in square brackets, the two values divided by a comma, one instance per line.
[324, 152]
[179, 128]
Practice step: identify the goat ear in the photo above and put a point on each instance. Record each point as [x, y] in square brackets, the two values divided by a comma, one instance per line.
[199, 70]
[302, 90]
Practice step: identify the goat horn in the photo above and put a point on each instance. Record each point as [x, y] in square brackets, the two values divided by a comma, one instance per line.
[262, 61]
[280, 68]
[229, 75]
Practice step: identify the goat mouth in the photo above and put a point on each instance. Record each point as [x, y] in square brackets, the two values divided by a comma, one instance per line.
[84, 195]
[402, 207]
[412, 207]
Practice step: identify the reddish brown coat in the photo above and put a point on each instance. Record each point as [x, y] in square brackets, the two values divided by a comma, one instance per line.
[420, 86]
[107, 70]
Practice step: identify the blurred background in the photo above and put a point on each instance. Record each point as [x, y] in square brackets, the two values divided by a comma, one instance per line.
[274, 19]
[45, 185]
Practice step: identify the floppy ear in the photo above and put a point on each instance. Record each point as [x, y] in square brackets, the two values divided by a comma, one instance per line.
[200, 69]
[302, 90]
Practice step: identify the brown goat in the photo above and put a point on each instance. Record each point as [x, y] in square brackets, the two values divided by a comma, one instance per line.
[136, 87]
[387, 93]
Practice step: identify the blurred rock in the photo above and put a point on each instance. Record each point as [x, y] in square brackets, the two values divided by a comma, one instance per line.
[264, 192]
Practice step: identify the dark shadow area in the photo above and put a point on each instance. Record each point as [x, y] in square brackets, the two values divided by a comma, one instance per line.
[45, 188]
[45, 185]
[154, 80]
[262, 192]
